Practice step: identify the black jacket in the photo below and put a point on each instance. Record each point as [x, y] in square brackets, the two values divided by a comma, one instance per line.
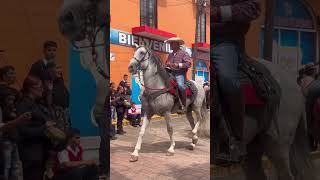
[39, 70]
[32, 139]
[60, 94]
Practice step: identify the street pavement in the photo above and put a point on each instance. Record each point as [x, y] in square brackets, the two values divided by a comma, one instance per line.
[153, 163]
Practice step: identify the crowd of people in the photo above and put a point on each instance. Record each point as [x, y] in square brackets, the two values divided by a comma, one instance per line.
[36, 137]
[122, 107]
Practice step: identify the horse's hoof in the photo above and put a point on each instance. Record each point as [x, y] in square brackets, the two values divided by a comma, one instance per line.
[170, 153]
[192, 147]
[194, 140]
[133, 158]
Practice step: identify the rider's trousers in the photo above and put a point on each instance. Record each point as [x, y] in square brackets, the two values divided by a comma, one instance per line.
[226, 58]
[180, 80]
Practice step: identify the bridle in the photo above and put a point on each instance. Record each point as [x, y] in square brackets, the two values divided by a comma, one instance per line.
[91, 32]
[140, 61]
[140, 69]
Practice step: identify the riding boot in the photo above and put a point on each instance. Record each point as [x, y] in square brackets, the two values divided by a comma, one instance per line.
[236, 108]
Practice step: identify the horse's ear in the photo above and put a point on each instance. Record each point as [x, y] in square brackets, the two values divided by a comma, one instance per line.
[136, 45]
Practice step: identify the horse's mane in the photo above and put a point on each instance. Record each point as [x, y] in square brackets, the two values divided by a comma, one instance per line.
[155, 59]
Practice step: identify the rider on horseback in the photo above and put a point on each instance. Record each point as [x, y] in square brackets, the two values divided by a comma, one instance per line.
[231, 21]
[179, 62]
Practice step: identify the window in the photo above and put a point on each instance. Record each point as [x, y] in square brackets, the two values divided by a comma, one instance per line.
[294, 35]
[148, 13]
[202, 72]
[201, 37]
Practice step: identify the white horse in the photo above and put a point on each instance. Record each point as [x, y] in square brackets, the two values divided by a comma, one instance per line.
[81, 21]
[156, 99]
[74, 23]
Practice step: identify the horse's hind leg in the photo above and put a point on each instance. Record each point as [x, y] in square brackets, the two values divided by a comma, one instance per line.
[193, 127]
[279, 155]
[135, 154]
[253, 165]
[190, 117]
[170, 132]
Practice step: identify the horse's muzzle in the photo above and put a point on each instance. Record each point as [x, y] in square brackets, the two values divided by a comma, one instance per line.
[132, 68]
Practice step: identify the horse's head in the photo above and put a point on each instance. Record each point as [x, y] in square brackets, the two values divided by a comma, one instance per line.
[78, 18]
[140, 59]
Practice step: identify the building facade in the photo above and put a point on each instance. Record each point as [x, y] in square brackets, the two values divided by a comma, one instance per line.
[25, 26]
[295, 35]
[151, 22]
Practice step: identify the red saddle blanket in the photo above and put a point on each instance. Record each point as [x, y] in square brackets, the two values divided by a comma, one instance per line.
[250, 95]
[174, 87]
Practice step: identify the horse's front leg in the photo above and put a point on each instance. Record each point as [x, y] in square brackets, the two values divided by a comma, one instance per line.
[135, 154]
[170, 132]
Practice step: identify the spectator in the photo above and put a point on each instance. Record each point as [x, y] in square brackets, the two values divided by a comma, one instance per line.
[32, 143]
[124, 81]
[8, 138]
[127, 91]
[134, 115]
[113, 111]
[39, 68]
[7, 79]
[71, 163]
[120, 108]
[60, 97]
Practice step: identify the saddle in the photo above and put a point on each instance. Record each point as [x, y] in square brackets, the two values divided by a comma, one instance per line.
[257, 83]
[190, 89]
[260, 89]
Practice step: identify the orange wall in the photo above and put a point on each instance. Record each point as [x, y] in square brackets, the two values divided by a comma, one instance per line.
[25, 26]
[173, 16]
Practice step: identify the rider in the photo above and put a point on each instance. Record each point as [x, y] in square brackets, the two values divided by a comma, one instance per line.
[231, 21]
[179, 62]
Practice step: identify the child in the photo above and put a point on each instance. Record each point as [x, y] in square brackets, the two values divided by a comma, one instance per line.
[70, 161]
[134, 115]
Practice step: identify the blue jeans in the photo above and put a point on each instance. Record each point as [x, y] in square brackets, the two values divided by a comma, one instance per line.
[226, 56]
[9, 159]
[180, 80]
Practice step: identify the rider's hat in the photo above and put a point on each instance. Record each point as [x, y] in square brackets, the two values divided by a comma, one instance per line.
[175, 39]
[307, 69]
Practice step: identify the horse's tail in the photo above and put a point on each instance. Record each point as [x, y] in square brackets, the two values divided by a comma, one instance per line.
[204, 126]
[300, 159]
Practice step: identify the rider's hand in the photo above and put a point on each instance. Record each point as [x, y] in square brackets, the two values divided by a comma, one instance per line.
[175, 65]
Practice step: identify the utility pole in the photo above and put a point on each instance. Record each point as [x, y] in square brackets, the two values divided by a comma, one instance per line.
[201, 4]
[268, 29]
